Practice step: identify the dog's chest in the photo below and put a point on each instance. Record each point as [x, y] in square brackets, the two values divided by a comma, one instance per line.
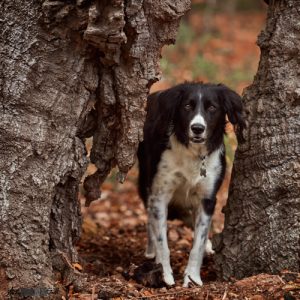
[185, 172]
[190, 170]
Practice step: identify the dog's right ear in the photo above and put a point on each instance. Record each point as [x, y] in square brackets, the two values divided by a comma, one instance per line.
[161, 108]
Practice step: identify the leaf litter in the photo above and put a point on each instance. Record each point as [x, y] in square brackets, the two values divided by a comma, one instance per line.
[114, 267]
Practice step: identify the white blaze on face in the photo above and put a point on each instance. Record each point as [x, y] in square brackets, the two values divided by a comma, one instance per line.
[198, 119]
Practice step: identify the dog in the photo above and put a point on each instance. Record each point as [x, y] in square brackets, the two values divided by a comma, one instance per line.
[182, 164]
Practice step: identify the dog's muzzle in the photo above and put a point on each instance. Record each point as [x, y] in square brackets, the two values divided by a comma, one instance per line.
[197, 133]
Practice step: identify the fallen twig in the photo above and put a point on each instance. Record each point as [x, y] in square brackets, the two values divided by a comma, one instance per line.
[281, 279]
[193, 282]
[186, 292]
[93, 292]
[207, 296]
[225, 294]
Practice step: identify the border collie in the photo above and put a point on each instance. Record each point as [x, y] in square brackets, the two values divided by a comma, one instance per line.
[182, 164]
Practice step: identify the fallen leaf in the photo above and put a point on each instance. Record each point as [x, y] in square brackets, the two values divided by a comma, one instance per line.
[77, 266]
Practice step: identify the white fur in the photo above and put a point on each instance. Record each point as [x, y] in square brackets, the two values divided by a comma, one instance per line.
[178, 179]
[198, 119]
[180, 160]
[158, 227]
[192, 271]
[209, 248]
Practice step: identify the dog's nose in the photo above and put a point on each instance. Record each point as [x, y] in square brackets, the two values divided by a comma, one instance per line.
[198, 128]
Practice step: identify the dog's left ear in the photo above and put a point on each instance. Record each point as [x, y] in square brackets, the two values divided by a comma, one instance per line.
[233, 106]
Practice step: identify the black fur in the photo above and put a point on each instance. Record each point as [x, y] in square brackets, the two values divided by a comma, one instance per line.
[209, 205]
[166, 114]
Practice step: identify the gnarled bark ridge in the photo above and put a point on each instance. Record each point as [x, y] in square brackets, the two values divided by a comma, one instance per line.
[69, 70]
[262, 217]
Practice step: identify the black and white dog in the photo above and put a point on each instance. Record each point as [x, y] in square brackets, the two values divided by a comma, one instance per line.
[182, 164]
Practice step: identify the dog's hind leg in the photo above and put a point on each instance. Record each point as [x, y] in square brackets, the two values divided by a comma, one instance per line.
[208, 248]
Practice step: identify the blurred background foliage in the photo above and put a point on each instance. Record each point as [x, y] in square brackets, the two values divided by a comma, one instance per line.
[216, 43]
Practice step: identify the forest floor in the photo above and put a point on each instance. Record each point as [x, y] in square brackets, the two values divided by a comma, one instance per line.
[112, 257]
[114, 232]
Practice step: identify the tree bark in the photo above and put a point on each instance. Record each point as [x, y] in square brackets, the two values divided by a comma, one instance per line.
[262, 216]
[69, 70]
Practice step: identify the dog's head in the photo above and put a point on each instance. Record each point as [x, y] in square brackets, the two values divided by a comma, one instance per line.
[197, 112]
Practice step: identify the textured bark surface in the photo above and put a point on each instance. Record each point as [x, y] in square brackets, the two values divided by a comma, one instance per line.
[262, 217]
[133, 34]
[69, 70]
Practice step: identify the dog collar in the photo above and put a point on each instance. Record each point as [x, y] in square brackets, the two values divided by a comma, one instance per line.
[203, 166]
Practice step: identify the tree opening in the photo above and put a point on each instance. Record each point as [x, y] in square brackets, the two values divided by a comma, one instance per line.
[214, 44]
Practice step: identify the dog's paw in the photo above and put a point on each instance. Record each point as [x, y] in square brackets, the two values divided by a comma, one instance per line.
[167, 272]
[192, 279]
[168, 278]
[150, 249]
[150, 253]
[208, 248]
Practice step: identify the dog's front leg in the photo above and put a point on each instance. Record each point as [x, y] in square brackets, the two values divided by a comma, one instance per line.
[202, 225]
[157, 218]
[150, 250]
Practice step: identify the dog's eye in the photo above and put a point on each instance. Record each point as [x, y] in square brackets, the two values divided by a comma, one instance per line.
[212, 108]
[188, 107]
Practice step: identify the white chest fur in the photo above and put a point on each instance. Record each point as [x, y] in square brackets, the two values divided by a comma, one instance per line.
[187, 171]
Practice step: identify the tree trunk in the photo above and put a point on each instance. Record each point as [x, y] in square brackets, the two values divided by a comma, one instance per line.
[262, 217]
[69, 70]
